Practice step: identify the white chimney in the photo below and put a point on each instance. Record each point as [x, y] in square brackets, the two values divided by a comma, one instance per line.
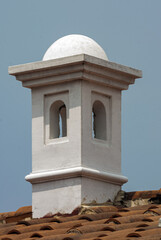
[76, 125]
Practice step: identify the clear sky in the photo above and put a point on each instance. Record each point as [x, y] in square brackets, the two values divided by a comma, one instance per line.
[130, 34]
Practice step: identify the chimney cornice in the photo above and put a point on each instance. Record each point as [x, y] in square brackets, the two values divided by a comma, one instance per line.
[81, 66]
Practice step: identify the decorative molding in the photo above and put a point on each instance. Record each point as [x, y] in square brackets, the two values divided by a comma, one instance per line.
[40, 177]
[76, 67]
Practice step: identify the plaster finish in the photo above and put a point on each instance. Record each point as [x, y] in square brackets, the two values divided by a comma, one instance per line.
[91, 173]
[66, 195]
[77, 165]
[104, 155]
[56, 196]
[72, 45]
[97, 162]
[60, 153]
[72, 68]
[91, 188]
[78, 148]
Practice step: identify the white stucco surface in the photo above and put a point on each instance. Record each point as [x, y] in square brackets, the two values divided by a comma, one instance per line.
[56, 196]
[91, 188]
[66, 195]
[78, 168]
[96, 162]
[74, 44]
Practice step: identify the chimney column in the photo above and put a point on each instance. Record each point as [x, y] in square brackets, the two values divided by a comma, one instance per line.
[76, 126]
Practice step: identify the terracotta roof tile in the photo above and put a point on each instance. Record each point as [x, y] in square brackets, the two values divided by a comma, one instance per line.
[21, 213]
[91, 223]
[23, 210]
[98, 216]
[144, 194]
[99, 209]
[142, 207]
[156, 211]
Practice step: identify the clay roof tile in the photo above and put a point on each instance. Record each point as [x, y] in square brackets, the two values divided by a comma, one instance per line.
[23, 210]
[155, 212]
[143, 194]
[92, 223]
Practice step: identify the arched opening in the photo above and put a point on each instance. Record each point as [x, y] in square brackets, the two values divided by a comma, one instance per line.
[99, 121]
[58, 120]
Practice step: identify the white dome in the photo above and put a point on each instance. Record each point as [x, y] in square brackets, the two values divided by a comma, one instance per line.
[73, 45]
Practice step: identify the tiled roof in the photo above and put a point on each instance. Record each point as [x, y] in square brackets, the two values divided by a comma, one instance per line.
[21, 213]
[91, 223]
[144, 194]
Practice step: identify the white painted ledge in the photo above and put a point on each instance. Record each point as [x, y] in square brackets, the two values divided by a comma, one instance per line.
[73, 68]
[40, 177]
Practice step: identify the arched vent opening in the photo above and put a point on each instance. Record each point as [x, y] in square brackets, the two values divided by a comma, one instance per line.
[99, 121]
[58, 120]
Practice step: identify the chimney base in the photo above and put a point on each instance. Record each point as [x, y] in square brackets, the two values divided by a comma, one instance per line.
[65, 195]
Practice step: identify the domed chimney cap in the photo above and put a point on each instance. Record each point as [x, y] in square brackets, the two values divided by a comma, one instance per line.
[74, 44]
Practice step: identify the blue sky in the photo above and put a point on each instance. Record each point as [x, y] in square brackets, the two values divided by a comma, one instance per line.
[130, 34]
